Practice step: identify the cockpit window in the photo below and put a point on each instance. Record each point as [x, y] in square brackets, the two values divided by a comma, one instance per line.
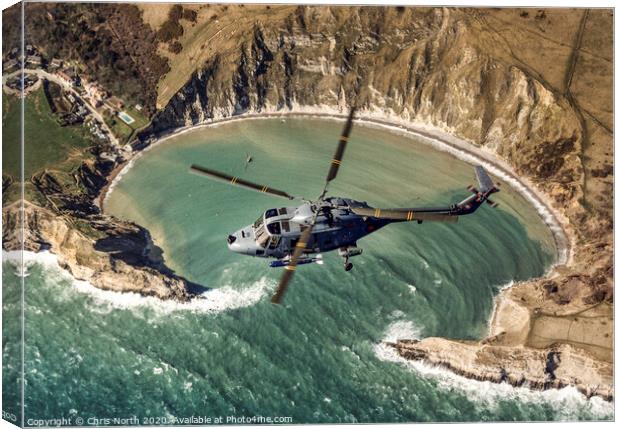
[261, 236]
[260, 233]
[271, 213]
[274, 228]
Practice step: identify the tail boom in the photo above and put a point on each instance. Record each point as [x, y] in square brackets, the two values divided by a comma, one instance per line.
[438, 214]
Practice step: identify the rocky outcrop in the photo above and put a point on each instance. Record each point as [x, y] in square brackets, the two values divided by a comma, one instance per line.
[108, 253]
[556, 367]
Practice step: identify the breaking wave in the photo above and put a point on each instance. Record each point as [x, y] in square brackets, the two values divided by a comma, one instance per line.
[568, 403]
[217, 300]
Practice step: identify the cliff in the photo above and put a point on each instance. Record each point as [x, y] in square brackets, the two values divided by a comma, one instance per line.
[429, 66]
[108, 253]
[555, 367]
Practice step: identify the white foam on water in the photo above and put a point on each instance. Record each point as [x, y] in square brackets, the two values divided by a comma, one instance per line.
[507, 285]
[568, 402]
[402, 329]
[212, 301]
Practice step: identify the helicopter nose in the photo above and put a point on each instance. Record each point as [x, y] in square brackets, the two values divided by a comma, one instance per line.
[231, 239]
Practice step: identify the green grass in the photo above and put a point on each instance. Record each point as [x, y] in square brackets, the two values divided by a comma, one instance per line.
[119, 128]
[141, 121]
[10, 135]
[46, 143]
[124, 132]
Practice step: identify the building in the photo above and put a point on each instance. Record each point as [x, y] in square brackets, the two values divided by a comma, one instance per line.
[95, 94]
[69, 76]
[115, 103]
[55, 63]
[34, 60]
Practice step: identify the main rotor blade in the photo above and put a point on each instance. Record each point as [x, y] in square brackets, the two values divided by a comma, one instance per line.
[232, 180]
[403, 214]
[342, 144]
[289, 270]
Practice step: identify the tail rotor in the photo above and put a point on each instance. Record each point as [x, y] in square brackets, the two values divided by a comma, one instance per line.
[485, 188]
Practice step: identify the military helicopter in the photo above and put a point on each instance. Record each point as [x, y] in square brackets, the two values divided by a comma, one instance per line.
[298, 235]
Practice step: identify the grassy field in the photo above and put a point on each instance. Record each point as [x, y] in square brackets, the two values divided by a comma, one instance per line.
[10, 135]
[124, 132]
[47, 145]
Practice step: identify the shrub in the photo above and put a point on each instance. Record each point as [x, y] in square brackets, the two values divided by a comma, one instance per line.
[176, 13]
[170, 30]
[175, 47]
[190, 15]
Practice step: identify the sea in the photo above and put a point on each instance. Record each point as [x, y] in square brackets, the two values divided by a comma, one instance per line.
[321, 357]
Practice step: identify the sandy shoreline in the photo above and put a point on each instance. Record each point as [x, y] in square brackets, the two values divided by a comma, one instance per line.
[439, 139]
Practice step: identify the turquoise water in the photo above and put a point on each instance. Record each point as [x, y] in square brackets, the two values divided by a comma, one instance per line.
[318, 357]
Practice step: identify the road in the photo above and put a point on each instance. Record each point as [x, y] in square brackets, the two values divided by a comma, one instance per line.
[67, 87]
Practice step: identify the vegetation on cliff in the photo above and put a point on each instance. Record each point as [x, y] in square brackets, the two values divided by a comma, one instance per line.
[109, 40]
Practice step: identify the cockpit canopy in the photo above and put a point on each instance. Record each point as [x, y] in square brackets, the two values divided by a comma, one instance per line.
[267, 232]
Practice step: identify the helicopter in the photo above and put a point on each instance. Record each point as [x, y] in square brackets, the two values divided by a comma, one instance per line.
[298, 235]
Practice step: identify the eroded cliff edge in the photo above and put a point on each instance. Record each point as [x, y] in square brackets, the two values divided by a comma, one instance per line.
[451, 69]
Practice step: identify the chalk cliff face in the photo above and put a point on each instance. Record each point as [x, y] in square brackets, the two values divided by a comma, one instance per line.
[434, 66]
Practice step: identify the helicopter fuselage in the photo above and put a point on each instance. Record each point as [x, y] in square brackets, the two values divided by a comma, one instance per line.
[276, 232]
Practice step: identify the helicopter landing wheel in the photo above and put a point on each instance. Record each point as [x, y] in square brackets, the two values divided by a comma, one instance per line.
[348, 266]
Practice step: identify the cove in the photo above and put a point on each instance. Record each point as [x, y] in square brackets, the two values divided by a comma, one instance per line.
[314, 358]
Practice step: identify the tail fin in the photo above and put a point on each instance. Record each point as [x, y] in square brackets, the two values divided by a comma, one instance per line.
[485, 182]
[471, 203]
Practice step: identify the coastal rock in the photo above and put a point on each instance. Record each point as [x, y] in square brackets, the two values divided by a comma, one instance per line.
[556, 367]
[125, 266]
